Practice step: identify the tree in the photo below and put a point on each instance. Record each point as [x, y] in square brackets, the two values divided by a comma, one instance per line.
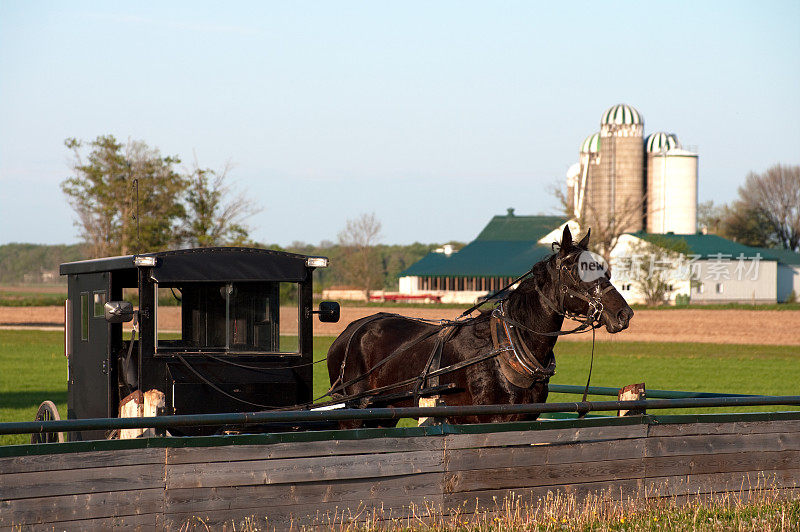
[127, 197]
[741, 223]
[775, 195]
[213, 217]
[652, 266]
[709, 217]
[358, 240]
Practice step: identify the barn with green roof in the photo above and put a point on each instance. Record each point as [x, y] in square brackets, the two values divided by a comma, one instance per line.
[506, 248]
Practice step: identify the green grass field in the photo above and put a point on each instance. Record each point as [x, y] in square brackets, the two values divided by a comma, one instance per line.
[33, 369]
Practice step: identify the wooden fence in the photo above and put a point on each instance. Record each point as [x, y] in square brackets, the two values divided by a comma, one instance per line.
[321, 477]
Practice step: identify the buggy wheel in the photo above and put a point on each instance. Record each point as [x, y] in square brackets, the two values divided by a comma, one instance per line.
[47, 412]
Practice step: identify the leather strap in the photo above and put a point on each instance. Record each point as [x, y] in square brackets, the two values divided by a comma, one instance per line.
[515, 369]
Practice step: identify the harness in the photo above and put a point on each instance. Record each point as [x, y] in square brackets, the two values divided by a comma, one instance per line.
[517, 362]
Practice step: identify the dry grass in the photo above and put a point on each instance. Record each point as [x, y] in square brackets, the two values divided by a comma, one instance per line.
[756, 509]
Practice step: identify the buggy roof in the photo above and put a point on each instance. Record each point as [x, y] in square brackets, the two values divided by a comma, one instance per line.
[205, 265]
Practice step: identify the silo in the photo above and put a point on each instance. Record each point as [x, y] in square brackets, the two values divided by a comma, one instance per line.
[656, 143]
[589, 160]
[671, 186]
[573, 177]
[617, 191]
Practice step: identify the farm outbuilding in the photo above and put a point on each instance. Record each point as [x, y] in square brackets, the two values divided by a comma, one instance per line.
[506, 248]
[712, 270]
[788, 273]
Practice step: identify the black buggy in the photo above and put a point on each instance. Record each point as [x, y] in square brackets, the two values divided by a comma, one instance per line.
[223, 351]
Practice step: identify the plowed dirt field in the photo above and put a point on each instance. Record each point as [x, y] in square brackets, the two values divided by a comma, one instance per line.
[769, 327]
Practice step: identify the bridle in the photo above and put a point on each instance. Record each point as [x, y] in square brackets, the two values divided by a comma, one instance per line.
[588, 321]
[594, 300]
[518, 365]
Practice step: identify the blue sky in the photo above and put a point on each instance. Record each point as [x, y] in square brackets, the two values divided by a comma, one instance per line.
[433, 115]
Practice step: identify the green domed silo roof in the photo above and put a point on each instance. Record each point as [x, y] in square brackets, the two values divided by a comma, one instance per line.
[657, 142]
[621, 114]
[591, 144]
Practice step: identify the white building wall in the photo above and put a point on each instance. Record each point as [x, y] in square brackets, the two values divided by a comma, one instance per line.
[788, 281]
[722, 282]
[555, 234]
[409, 285]
[714, 281]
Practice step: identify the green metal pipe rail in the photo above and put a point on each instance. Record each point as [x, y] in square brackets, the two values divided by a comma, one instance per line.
[255, 418]
[654, 394]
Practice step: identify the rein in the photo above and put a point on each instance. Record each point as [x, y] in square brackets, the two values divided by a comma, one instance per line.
[521, 370]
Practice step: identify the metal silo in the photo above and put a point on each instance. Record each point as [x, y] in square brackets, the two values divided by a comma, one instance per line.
[573, 177]
[617, 188]
[671, 186]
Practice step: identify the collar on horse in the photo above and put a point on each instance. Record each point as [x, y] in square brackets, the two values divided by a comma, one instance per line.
[517, 363]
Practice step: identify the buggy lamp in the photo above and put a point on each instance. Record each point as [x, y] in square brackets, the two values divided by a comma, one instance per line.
[317, 262]
[144, 261]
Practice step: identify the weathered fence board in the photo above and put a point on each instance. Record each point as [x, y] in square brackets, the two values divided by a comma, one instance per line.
[232, 453]
[288, 470]
[616, 489]
[125, 522]
[61, 508]
[322, 515]
[722, 482]
[550, 475]
[78, 481]
[54, 462]
[660, 466]
[427, 485]
[722, 443]
[733, 427]
[535, 437]
[539, 455]
[271, 480]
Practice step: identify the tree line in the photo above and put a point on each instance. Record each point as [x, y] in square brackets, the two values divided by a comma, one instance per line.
[27, 262]
[765, 214]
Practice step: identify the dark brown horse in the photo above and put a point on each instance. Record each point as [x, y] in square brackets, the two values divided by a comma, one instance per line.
[528, 316]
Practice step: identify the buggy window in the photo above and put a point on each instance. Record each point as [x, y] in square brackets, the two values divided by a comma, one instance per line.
[225, 317]
[99, 303]
[84, 315]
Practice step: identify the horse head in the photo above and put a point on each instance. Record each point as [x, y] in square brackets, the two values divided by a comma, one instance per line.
[583, 285]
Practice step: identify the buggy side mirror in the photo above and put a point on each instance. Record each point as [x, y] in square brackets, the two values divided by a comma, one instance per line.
[328, 311]
[118, 311]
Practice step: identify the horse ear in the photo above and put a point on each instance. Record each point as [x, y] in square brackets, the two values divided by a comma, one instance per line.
[584, 243]
[566, 239]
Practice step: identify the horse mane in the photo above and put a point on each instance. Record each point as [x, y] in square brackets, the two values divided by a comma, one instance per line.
[522, 300]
